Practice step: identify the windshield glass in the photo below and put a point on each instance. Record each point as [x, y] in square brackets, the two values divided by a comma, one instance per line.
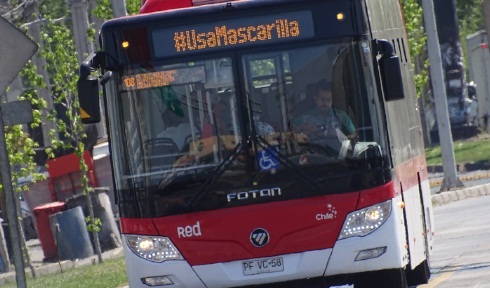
[173, 115]
[300, 123]
[313, 105]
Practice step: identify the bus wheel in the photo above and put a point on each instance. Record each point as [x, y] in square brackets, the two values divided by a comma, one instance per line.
[395, 278]
[419, 275]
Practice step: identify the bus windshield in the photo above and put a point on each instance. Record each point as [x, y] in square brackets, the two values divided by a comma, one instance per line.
[295, 123]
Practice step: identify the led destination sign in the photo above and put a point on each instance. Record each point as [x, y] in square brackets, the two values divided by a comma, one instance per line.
[178, 76]
[282, 28]
[237, 32]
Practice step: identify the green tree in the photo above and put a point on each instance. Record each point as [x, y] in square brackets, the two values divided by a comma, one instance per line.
[470, 16]
[417, 44]
[470, 21]
[62, 64]
[21, 147]
[133, 6]
[104, 8]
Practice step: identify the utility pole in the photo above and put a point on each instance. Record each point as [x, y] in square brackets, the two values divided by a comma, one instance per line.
[452, 62]
[11, 211]
[13, 113]
[34, 29]
[79, 14]
[80, 18]
[486, 14]
[451, 180]
[118, 8]
[16, 50]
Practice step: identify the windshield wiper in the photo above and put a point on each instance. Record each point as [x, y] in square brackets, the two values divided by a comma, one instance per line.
[216, 174]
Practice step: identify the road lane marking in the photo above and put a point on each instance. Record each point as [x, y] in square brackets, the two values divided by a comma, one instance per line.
[438, 280]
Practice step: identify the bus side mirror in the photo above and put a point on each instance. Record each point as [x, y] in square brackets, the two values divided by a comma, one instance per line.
[88, 97]
[390, 70]
[391, 77]
[88, 94]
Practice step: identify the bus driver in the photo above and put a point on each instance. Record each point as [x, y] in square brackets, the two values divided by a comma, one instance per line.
[324, 120]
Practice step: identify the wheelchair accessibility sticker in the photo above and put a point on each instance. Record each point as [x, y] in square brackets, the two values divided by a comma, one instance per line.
[267, 161]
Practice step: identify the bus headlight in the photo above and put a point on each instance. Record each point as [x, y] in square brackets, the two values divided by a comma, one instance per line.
[364, 221]
[153, 248]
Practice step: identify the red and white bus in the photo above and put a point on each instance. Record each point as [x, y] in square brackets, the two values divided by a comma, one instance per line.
[219, 177]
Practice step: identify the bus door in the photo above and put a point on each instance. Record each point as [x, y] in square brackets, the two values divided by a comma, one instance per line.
[269, 89]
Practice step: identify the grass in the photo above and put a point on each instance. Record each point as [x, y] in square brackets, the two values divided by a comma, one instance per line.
[110, 274]
[468, 151]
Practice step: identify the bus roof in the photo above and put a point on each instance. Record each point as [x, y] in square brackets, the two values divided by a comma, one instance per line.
[176, 13]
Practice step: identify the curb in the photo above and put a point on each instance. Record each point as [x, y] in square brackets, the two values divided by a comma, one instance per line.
[460, 194]
[461, 167]
[464, 178]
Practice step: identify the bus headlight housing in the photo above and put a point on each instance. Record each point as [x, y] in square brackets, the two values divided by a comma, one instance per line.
[362, 222]
[153, 248]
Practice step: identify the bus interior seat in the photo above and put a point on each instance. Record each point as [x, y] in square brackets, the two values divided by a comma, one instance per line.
[179, 134]
[162, 153]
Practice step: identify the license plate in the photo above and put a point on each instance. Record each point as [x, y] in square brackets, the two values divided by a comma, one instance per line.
[259, 266]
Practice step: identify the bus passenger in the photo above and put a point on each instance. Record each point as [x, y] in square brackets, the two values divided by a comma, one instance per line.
[220, 125]
[324, 120]
[177, 126]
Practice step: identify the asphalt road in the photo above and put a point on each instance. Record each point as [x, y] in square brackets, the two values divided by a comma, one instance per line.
[461, 256]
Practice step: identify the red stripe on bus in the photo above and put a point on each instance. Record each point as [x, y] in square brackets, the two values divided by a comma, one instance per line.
[294, 226]
[407, 174]
[376, 195]
[163, 5]
[225, 235]
[138, 226]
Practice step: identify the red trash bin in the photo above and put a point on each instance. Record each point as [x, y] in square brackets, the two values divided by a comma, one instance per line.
[42, 213]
